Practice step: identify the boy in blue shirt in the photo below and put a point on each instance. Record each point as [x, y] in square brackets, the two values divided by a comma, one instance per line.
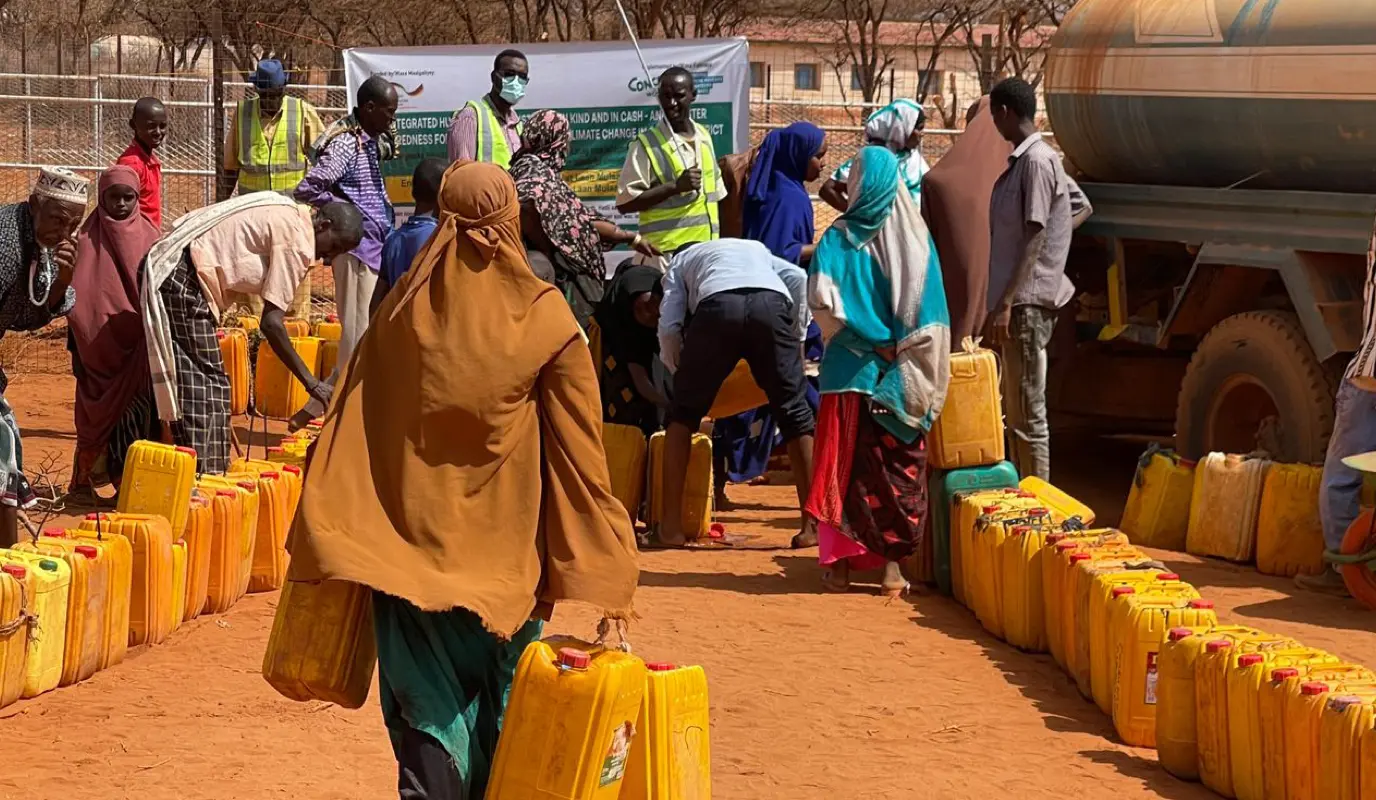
[405, 242]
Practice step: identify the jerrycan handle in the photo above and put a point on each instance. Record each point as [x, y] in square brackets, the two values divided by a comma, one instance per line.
[604, 631]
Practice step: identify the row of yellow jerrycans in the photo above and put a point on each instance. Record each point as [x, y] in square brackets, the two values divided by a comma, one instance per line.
[583, 722]
[1229, 506]
[1259, 716]
[276, 392]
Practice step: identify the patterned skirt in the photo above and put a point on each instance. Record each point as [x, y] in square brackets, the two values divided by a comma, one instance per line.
[202, 385]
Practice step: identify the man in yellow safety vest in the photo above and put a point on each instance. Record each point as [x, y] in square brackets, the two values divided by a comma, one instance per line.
[269, 135]
[488, 129]
[670, 177]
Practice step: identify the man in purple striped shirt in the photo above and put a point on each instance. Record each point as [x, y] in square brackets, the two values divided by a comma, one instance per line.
[349, 168]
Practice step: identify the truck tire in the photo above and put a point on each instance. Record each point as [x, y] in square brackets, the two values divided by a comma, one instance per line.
[1255, 384]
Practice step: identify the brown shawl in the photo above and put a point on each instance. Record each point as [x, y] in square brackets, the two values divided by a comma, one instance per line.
[461, 462]
[955, 201]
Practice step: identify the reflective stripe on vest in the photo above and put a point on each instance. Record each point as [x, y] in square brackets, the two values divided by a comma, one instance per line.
[491, 145]
[687, 217]
[277, 164]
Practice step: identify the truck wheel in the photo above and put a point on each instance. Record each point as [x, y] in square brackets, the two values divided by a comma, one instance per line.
[1255, 383]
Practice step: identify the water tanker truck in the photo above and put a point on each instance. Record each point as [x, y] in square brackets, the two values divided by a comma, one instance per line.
[1229, 150]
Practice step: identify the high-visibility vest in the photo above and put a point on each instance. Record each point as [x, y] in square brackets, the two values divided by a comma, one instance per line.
[688, 217]
[491, 145]
[277, 164]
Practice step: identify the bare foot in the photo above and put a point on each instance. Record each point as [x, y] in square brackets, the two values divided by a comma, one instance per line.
[671, 535]
[836, 577]
[894, 584]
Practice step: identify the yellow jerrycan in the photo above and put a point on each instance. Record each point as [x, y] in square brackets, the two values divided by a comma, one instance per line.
[234, 354]
[329, 329]
[697, 485]
[1158, 509]
[276, 392]
[1289, 531]
[1140, 576]
[1024, 618]
[249, 505]
[226, 547]
[1140, 623]
[150, 598]
[625, 448]
[322, 646]
[1345, 718]
[1280, 746]
[1245, 728]
[269, 568]
[671, 754]
[1212, 671]
[179, 582]
[1062, 505]
[118, 556]
[1081, 581]
[14, 632]
[86, 635]
[1177, 746]
[158, 479]
[1224, 508]
[969, 431]
[570, 723]
[1367, 764]
[987, 547]
[1055, 580]
[966, 507]
[48, 582]
[1304, 708]
[200, 533]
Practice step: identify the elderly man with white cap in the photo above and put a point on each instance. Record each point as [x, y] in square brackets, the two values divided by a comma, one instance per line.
[37, 256]
[269, 136]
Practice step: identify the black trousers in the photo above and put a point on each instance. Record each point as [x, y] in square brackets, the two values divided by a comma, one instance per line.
[756, 325]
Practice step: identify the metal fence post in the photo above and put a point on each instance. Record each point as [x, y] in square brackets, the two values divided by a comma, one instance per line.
[98, 128]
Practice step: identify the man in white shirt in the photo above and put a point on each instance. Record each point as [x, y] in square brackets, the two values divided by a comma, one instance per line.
[724, 301]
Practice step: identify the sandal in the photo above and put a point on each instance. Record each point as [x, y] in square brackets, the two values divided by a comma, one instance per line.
[836, 577]
[894, 584]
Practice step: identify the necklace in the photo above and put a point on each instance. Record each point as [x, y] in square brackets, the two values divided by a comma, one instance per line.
[45, 256]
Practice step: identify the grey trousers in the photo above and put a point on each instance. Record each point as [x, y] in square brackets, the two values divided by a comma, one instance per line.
[1024, 389]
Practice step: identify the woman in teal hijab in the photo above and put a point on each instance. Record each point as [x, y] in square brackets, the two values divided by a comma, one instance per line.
[875, 289]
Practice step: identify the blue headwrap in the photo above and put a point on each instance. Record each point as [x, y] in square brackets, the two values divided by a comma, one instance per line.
[269, 75]
[778, 211]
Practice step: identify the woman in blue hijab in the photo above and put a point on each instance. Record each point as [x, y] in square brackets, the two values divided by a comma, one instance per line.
[778, 213]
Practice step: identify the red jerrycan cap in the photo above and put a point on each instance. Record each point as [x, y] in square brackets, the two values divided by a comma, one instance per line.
[14, 570]
[1313, 688]
[1025, 494]
[292, 468]
[1217, 645]
[990, 509]
[659, 666]
[247, 485]
[1343, 702]
[332, 318]
[1066, 545]
[187, 450]
[1177, 634]
[276, 450]
[226, 493]
[56, 533]
[220, 334]
[273, 474]
[1281, 674]
[1019, 530]
[1201, 604]
[1167, 576]
[1250, 659]
[1054, 538]
[86, 550]
[1120, 591]
[1077, 557]
[1037, 512]
[573, 658]
[93, 515]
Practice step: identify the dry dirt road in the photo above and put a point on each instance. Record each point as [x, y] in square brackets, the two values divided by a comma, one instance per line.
[813, 695]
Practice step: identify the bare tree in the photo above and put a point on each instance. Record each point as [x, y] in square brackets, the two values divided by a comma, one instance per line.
[1020, 36]
[858, 26]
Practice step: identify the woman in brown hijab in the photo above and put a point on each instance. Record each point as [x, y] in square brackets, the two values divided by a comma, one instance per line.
[955, 202]
[460, 474]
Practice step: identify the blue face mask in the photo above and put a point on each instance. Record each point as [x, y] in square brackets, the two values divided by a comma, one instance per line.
[514, 88]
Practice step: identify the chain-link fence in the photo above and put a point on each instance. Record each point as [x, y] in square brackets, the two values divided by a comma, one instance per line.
[81, 122]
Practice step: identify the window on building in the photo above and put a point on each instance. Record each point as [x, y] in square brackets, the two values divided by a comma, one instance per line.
[757, 78]
[805, 78]
[857, 79]
[929, 81]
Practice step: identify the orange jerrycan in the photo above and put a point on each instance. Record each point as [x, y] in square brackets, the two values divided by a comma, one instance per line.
[47, 581]
[697, 486]
[86, 598]
[1158, 509]
[1140, 625]
[570, 723]
[1224, 508]
[671, 757]
[625, 448]
[969, 431]
[269, 568]
[118, 556]
[200, 533]
[1062, 505]
[322, 646]
[158, 479]
[14, 632]
[1246, 728]
[297, 328]
[1345, 719]
[150, 598]
[276, 391]
[234, 354]
[1289, 531]
[226, 548]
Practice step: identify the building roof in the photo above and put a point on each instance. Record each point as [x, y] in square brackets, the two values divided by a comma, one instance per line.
[891, 34]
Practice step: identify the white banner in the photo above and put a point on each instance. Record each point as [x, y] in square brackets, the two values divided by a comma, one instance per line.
[600, 86]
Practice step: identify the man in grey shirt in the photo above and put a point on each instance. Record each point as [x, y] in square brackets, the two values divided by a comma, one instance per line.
[1031, 218]
[724, 301]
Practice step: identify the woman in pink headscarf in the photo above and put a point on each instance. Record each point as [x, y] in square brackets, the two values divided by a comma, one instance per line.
[109, 357]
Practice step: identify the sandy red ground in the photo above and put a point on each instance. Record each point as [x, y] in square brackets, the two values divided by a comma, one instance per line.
[813, 695]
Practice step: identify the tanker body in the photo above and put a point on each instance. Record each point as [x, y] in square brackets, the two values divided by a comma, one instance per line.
[1229, 150]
